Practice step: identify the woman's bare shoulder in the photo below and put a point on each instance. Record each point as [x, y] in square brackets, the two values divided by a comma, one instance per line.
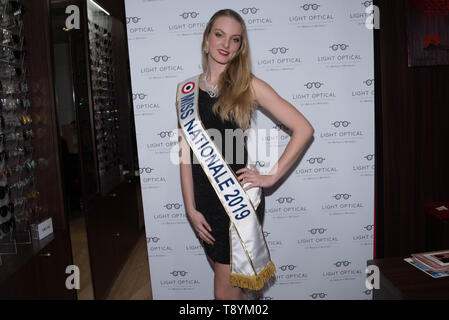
[261, 89]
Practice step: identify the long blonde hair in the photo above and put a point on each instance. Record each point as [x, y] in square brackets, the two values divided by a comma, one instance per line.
[235, 101]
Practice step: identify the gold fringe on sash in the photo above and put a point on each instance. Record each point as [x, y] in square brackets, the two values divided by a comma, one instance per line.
[254, 282]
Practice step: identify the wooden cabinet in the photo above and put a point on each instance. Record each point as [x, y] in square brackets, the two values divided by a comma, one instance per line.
[38, 270]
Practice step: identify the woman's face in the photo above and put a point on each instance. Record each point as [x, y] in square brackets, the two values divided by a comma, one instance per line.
[224, 40]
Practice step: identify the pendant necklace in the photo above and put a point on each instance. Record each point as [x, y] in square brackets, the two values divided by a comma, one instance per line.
[212, 91]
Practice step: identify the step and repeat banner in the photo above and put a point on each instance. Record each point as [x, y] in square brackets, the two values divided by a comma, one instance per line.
[319, 224]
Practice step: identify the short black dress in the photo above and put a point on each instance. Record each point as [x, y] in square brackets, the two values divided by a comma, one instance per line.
[206, 200]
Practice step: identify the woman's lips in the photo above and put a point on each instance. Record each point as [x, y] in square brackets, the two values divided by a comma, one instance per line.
[223, 53]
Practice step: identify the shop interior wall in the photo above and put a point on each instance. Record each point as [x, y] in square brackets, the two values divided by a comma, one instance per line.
[412, 111]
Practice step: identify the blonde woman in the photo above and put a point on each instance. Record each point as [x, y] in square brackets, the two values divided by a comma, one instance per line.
[227, 98]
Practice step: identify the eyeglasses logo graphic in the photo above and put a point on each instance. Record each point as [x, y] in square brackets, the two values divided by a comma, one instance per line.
[170, 206]
[369, 82]
[367, 4]
[317, 160]
[252, 10]
[178, 273]
[133, 19]
[159, 58]
[282, 50]
[266, 234]
[285, 199]
[369, 157]
[266, 298]
[146, 170]
[310, 85]
[320, 295]
[186, 15]
[308, 6]
[164, 134]
[319, 230]
[343, 124]
[141, 96]
[153, 239]
[335, 47]
[287, 267]
[369, 227]
[345, 263]
[340, 196]
[260, 164]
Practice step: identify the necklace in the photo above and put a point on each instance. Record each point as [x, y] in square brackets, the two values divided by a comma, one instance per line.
[212, 91]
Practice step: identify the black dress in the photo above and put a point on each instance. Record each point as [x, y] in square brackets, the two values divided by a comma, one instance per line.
[206, 200]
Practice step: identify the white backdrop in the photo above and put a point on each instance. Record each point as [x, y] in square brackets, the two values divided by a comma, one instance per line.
[319, 222]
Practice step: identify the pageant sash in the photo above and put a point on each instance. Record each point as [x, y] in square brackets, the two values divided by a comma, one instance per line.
[251, 265]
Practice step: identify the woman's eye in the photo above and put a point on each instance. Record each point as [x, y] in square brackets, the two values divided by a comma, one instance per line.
[236, 40]
[218, 35]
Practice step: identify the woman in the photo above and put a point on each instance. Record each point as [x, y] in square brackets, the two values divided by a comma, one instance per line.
[228, 97]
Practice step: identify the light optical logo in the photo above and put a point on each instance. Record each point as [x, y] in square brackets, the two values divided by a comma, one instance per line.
[342, 131]
[163, 142]
[361, 12]
[314, 93]
[180, 280]
[311, 15]
[365, 167]
[342, 203]
[279, 58]
[364, 92]
[338, 55]
[279, 136]
[286, 207]
[315, 168]
[194, 249]
[150, 178]
[273, 243]
[318, 238]
[255, 18]
[290, 273]
[365, 236]
[342, 270]
[187, 23]
[170, 213]
[157, 247]
[161, 65]
[138, 29]
[143, 106]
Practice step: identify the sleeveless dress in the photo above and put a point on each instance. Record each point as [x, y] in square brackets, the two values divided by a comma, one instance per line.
[206, 200]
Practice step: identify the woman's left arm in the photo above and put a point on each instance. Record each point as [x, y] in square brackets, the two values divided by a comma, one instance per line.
[289, 116]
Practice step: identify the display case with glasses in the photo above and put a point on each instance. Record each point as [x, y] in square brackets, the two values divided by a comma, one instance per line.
[17, 192]
[105, 109]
